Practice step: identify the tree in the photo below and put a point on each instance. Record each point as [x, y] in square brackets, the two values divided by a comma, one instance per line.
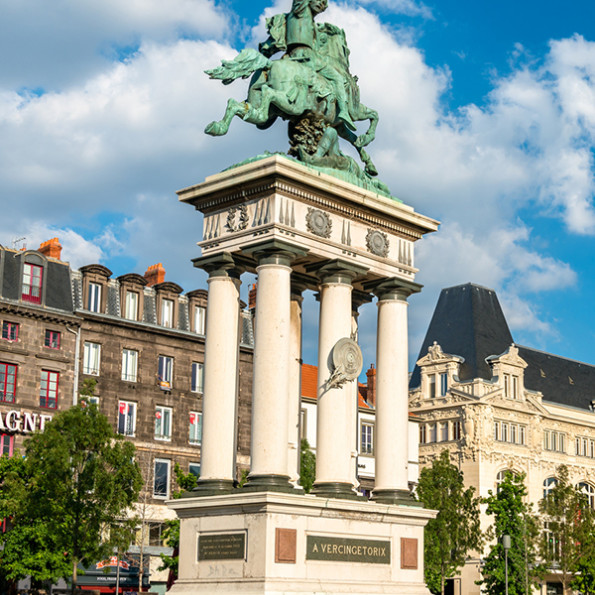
[456, 530]
[568, 523]
[307, 466]
[513, 517]
[78, 481]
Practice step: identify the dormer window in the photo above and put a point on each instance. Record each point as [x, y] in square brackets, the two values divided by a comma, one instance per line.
[432, 386]
[94, 299]
[511, 386]
[32, 279]
[200, 316]
[167, 313]
[131, 306]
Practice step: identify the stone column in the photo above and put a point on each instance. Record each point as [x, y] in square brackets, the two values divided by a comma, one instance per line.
[271, 372]
[358, 299]
[218, 457]
[392, 391]
[295, 381]
[336, 404]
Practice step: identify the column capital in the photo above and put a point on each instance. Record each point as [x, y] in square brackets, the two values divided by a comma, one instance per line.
[223, 264]
[359, 298]
[336, 271]
[393, 289]
[274, 252]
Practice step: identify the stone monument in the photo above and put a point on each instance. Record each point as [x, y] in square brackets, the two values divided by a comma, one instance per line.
[311, 221]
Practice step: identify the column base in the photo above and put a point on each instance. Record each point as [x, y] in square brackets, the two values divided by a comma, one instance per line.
[211, 487]
[269, 483]
[336, 489]
[396, 497]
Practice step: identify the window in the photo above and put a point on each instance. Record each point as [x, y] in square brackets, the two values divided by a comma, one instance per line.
[48, 390]
[198, 373]
[510, 432]
[6, 444]
[8, 382]
[167, 313]
[94, 300]
[422, 433]
[511, 386]
[161, 478]
[10, 331]
[367, 439]
[194, 468]
[502, 476]
[456, 430]
[432, 391]
[195, 427]
[165, 371]
[162, 423]
[32, 276]
[129, 365]
[548, 486]
[432, 437]
[131, 306]
[156, 533]
[443, 384]
[303, 424]
[200, 319]
[52, 339]
[91, 357]
[444, 432]
[589, 491]
[554, 441]
[585, 447]
[126, 418]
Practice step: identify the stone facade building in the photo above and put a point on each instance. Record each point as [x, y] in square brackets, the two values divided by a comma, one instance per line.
[140, 338]
[496, 406]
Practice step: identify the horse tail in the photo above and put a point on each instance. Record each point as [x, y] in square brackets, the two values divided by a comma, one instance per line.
[243, 65]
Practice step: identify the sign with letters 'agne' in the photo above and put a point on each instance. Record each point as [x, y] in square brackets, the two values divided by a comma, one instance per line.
[341, 549]
[22, 421]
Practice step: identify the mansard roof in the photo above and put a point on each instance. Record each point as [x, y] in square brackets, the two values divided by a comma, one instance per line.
[468, 321]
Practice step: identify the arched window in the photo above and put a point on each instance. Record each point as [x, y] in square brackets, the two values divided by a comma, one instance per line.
[589, 491]
[548, 486]
[501, 476]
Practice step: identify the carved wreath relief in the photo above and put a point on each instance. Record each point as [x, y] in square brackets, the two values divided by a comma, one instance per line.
[347, 362]
[377, 243]
[237, 218]
[319, 223]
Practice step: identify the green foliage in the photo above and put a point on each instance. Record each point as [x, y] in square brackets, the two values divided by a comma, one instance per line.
[456, 530]
[307, 466]
[186, 481]
[567, 542]
[512, 516]
[73, 490]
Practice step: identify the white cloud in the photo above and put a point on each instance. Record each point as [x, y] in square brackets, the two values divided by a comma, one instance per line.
[406, 7]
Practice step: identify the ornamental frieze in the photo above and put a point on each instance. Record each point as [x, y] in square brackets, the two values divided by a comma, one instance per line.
[237, 218]
[319, 223]
[377, 243]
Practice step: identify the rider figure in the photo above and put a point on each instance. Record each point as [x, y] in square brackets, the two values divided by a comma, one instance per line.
[301, 45]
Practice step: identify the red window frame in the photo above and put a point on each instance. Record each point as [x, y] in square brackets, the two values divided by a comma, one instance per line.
[48, 390]
[7, 330]
[49, 335]
[6, 371]
[32, 290]
[6, 445]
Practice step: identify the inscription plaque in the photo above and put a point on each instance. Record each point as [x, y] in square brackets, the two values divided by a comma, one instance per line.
[222, 546]
[341, 549]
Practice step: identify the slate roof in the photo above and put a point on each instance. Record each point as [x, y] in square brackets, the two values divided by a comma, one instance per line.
[468, 321]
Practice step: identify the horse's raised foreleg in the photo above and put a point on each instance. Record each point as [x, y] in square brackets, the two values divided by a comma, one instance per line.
[259, 114]
[365, 113]
[234, 108]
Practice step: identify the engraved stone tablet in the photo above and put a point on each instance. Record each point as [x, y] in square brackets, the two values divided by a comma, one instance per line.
[341, 549]
[222, 546]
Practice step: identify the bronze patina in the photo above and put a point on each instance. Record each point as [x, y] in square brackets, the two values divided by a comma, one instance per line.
[310, 86]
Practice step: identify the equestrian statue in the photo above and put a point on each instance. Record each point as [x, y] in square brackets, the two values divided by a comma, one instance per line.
[310, 87]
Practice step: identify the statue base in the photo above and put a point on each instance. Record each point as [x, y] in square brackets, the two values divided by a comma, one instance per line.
[279, 544]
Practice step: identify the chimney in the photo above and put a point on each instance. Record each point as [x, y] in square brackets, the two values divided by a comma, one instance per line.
[252, 298]
[371, 396]
[51, 248]
[155, 274]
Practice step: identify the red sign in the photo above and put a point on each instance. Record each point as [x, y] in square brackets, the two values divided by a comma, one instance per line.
[123, 408]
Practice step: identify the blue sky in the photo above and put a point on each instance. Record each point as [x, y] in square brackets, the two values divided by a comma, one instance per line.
[487, 123]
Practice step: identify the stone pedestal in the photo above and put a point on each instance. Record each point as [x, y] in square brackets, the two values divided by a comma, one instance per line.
[276, 544]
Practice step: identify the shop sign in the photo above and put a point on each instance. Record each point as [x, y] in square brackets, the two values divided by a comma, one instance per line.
[26, 422]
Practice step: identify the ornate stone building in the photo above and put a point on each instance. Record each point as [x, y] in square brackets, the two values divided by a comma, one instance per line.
[497, 406]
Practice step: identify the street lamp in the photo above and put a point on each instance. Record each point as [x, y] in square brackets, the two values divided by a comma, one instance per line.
[506, 546]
